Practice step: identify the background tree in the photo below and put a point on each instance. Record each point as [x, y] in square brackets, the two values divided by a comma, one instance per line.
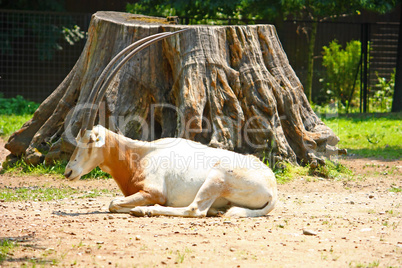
[198, 11]
[230, 87]
[271, 10]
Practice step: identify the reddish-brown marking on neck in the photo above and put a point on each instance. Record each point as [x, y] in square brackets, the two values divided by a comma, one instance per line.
[123, 164]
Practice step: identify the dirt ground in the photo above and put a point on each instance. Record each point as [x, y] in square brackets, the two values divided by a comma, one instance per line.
[352, 223]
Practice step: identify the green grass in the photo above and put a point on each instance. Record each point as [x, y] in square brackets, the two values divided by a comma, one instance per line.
[331, 170]
[395, 189]
[369, 136]
[21, 168]
[11, 123]
[14, 112]
[364, 135]
[370, 265]
[288, 172]
[36, 193]
[6, 246]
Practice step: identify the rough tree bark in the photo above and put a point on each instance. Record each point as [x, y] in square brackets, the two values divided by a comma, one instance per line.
[226, 86]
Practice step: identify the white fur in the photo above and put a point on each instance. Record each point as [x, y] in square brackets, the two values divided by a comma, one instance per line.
[192, 179]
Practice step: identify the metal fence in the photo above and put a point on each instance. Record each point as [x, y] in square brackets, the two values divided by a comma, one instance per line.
[379, 39]
[35, 56]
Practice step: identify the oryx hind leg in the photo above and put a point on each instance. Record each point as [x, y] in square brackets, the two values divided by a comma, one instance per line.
[210, 191]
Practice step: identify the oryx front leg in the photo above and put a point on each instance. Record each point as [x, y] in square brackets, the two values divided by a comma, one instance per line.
[141, 198]
[211, 189]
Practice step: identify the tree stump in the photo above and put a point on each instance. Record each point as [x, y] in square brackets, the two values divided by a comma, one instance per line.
[226, 86]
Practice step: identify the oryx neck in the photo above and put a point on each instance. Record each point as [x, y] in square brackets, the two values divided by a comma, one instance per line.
[122, 161]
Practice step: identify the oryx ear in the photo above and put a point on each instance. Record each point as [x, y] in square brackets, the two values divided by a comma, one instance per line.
[99, 140]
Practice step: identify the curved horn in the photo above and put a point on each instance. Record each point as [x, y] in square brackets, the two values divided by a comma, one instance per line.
[89, 116]
[99, 81]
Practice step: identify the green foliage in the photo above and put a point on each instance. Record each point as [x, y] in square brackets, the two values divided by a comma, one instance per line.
[5, 247]
[319, 9]
[22, 168]
[365, 136]
[73, 35]
[327, 108]
[395, 189]
[255, 9]
[211, 12]
[35, 193]
[14, 112]
[331, 170]
[369, 136]
[11, 123]
[365, 265]
[287, 172]
[342, 65]
[208, 12]
[382, 99]
[16, 106]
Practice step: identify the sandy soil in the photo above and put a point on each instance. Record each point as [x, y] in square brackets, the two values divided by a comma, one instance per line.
[352, 223]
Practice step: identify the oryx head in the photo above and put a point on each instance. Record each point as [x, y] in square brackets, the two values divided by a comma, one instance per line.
[88, 154]
[90, 140]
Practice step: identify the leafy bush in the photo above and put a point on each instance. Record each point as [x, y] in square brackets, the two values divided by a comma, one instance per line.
[73, 35]
[382, 99]
[17, 106]
[342, 65]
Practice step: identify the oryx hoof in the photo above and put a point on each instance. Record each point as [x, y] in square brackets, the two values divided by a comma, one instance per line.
[114, 206]
[140, 212]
